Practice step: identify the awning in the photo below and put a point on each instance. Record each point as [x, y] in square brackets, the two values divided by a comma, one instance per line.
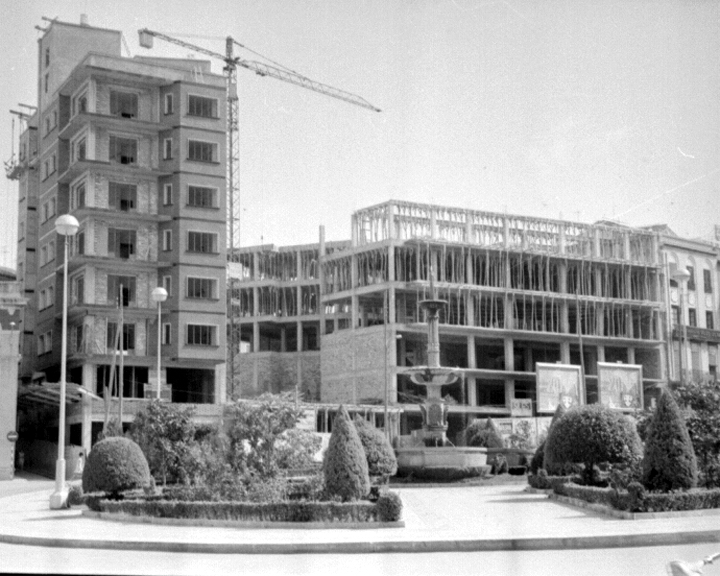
[48, 393]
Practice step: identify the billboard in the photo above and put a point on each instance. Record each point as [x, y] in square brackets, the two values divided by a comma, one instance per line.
[620, 386]
[558, 383]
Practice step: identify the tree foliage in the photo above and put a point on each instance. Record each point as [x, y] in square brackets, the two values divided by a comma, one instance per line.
[296, 449]
[481, 434]
[538, 459]
[378, 452]
[165, 433]
[345, 467]
[701, 402]
[591, 435]
[114, 465]
[254, 430]
[669, 462]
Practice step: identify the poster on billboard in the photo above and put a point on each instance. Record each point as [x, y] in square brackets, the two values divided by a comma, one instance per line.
[620, 386]
[558, 383]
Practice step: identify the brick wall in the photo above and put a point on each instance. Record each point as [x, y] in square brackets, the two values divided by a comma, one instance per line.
[278, 372]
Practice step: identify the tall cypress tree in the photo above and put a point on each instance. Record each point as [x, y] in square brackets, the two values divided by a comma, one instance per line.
[669, 462]
[345, 467]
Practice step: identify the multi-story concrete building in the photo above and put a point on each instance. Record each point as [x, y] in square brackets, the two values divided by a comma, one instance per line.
[520, 291]
[135, 150]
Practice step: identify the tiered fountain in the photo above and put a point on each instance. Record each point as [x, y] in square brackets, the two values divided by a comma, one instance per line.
[434, 450]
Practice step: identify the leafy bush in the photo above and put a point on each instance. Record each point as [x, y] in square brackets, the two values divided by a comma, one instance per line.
[701, 401]
[165, 433]
[538, 459]
[389, 507]
[481, 434]
[542, 481]
[115, 464]
[296, 449]
[378, 452]
[345, 467]
[591, 435]
[441, 474]
[669, 462]
[75, 495]
[255, 429]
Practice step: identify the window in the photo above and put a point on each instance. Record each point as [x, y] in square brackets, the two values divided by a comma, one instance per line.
[50, 296]
[122, 197]
[167, 194]
[78, 339]
[128, 336]
[123, 150]
[21, 231]
[78, 290]
[692, 317]
[691, 280]
[205, 288]
[201, 335]
[79, 149]
[123, 104]
[80, 103]
[199, 151]
[77, 244]
[53, 164]
[205, 242]
[201, 106]
[707, 281]
[48, 209]
[77, 195]
[47, 125]
[167, 284]
[676, 315]
[42, 298]
[121, 243]
[169, 107]
[167, 149]
[47, 253]
[122, 289]
[202, 197]
[47, 82]
[167, 333]
[43, 255]
[47, 57]
[45, 343]
[709, 320]
[167, 240]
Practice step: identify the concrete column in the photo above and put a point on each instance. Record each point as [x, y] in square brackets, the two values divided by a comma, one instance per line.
[509, 392]
[508, 304]
[283, 339]
[392, 313]
[299, 338]
[256, 336]
[471, 380]
[220, 395]
[321, 278]
[565, 352]
[631, 355]
[601, 353]
[89, 383]
[509, 354]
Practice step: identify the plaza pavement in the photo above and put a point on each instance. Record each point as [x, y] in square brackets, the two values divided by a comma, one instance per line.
[439, 519]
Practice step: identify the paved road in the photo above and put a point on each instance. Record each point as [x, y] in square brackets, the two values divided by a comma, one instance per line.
[615, 562]
[24, 482]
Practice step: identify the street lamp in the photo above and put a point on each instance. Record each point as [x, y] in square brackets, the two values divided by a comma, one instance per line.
[65, 226]
[682, 276]
[159, 295]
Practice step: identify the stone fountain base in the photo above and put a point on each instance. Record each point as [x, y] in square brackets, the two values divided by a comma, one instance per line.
[420, 460]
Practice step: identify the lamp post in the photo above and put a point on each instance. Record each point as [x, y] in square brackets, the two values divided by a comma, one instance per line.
[65, 226]
[682, 276]
[159, 295]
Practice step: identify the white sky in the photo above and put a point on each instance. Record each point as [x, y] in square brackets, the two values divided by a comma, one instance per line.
[575, 109]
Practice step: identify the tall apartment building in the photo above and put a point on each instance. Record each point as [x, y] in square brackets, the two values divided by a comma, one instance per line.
[135, 150]
[520, 291]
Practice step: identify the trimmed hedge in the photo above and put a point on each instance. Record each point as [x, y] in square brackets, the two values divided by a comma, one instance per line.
[442, 474]
[591, 435]
[387, 509]
[380, 456]
[345, 466]
[636, 499]
[669, 462]
[114, 465]
[542, 481]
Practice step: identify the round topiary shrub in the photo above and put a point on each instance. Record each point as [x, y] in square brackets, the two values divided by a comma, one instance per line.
[378, 452]
[481, 434]
[669, 462]
[389, 507]
[345, 467]
[591, 435]
[114, 465]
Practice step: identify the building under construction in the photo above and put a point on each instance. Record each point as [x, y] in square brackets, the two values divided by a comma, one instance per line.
[339, 322]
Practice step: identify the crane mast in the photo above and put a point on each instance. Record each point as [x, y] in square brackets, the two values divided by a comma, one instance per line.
[233, 145]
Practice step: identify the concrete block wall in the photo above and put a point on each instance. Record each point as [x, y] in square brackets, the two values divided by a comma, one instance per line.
[277, 372]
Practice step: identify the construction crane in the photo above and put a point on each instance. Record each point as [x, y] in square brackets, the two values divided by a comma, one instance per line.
[232, 63]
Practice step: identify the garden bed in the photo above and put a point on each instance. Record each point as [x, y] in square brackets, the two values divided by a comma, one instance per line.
[638, 503]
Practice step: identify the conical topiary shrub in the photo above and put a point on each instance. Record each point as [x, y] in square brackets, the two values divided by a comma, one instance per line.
[378, 452]
[538, 459]
[345, 467]
[669, 462]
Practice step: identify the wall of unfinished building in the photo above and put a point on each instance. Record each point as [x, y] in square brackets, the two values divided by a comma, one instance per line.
[276, 372]
[353, 367]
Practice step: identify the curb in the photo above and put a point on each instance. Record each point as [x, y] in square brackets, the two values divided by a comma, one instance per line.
[507, 544]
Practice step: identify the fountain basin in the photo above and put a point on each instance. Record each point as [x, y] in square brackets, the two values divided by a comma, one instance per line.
[415, 458]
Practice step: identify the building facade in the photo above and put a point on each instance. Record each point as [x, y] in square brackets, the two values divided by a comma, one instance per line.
[135, 150]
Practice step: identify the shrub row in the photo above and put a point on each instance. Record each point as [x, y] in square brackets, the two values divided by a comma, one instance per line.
[388, 508]
[545, 482]
[441, 474]
[638, 500]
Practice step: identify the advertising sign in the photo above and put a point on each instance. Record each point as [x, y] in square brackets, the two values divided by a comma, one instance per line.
[521, 407]
[620, 386]
[558, 383]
